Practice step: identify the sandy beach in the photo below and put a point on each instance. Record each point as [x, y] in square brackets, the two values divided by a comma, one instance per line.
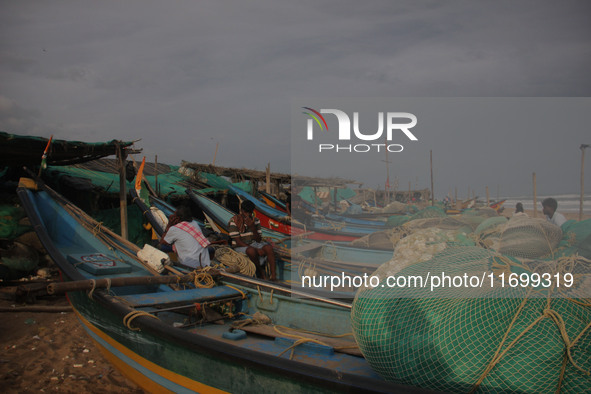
[50, 352]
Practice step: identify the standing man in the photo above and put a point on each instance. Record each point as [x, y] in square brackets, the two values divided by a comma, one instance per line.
[245, 231]
[549, 206]
[187, 240]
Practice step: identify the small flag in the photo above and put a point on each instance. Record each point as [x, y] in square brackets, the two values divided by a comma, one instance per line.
[139, 175]
[44, 157]
[141, 192]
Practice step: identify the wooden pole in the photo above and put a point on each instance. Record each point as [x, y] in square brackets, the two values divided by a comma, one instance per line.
[268, 179]
[535, 196]
[432, 192]
[79, 285]
[582, 147]
[409, 194]
[315, 200]
[456, 198]
[215, 154]
[156, 176]
[122, 155]
[487, 198]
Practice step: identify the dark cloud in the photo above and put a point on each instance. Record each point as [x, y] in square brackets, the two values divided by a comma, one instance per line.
[177, 74]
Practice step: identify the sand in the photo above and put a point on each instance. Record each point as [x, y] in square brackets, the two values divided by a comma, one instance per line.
[50, 352]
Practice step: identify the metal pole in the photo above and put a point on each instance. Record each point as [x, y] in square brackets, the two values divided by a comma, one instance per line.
[122, 155]
[432, 193]
[582, 147]
[535, 197]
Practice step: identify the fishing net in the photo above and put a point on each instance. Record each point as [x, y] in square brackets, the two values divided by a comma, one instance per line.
[525, 237]
[576, 238]
[488, 339]
[393, 207]
[429, 212]
[387, 239]
[490, 224]
[9, 222]
[483, 212]
[397, 220]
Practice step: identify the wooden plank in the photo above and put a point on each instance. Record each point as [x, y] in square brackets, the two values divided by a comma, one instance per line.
[176, 297]
[339, 344]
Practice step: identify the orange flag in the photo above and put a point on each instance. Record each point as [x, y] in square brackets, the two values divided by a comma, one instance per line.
[139, 176]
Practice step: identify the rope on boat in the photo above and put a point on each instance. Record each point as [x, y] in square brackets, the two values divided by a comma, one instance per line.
[301, 340]
[91, 291]
[203, 280]
[563, 264]
[132, 315]
[238, 290]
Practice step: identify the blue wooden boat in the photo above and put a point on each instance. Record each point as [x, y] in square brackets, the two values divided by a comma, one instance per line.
[165, 337]
[219, 216]
[272, 201]
[295, 256]
[322, 229]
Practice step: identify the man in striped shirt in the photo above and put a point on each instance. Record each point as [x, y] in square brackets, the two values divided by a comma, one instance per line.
[245, 231]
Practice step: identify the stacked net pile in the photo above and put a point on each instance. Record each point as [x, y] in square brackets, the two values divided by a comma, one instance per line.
[524, 237]
[388, 239]
[483, 339]
[576, 239]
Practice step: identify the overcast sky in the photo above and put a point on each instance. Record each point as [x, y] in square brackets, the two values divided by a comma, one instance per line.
[185, 75]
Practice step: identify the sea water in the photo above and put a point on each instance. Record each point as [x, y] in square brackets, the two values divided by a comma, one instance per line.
[566, 202]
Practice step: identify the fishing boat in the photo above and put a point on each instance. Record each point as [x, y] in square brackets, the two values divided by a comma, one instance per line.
[219, 216]
[300, 256]
[317, 229]
[272, 201]
[167, 334]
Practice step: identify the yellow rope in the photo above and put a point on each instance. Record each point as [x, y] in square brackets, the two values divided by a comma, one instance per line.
[132, 315]
[562, 265]
[301, 340]
[298, 343]
[312, 332]
[238, 290]
[204, 277]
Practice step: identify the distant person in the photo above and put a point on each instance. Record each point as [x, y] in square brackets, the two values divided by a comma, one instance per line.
[245, 231]
[184, 236]
[519, 210]
[549, 206]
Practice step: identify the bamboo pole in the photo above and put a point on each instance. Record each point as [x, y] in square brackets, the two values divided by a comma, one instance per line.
[535, 196]
[487, 198]
[102, 283]
[432, 192]
[456, 198]
[582, 147]
[215, 154]
[409, 193]
[268, 179]
[157, 189]
[122, 155]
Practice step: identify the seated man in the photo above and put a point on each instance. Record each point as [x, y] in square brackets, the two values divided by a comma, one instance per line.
[187, 240]
[246, 234]
[549, 206]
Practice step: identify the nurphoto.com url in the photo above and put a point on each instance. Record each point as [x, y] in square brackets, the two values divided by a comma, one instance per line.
[442, 280]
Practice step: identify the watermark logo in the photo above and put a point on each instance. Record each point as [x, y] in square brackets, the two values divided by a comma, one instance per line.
[396, 124]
